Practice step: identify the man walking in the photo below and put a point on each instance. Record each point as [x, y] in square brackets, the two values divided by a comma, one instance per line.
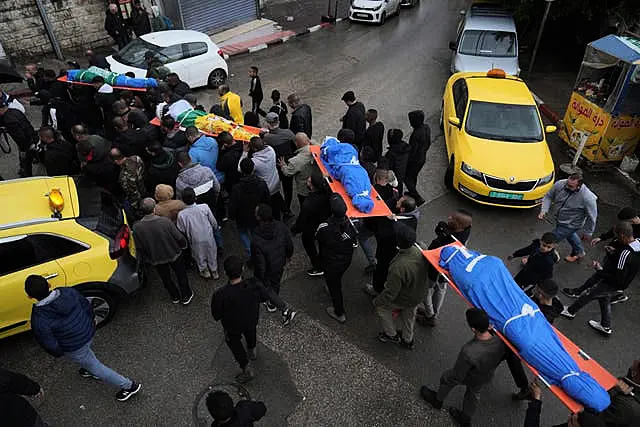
[419, 141]
[264, 160]
[475, 366]
[301, 118]
[299, 167]
[283, 143]
[255, 91]
[575, 210]
[114, 26]
[619, 268]
[63, 324]
[22, 132]
[374, 134]
[159, 243]
[354, 118]
[60, 157]
[403, 289]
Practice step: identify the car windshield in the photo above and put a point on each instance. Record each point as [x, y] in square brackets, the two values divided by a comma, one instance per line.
[488, 43]
[99, 210]
[504, 122]
[133, 53]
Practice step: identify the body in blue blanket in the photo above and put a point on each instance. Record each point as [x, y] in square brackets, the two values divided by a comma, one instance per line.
[538, 260]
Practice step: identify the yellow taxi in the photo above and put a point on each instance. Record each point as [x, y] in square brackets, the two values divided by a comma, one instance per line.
[495, 137]
[70, 232]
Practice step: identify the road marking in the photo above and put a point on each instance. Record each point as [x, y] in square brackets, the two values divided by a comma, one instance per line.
[314, 28]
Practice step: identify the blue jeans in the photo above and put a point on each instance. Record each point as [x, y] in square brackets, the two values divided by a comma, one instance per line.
[364, 239]
[85, 358]
[217, 235]
[571, 234]
[245, 237]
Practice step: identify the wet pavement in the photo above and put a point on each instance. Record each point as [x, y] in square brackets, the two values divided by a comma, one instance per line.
[319, 372]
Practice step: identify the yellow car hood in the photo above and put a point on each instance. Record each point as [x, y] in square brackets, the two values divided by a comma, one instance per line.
[522, 160]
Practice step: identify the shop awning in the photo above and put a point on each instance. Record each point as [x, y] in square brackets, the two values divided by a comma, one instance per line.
[625, 48]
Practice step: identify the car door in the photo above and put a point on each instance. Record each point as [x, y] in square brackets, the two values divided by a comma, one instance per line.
[199, 61]
[173, 58]
[459, 100]
[20, 258]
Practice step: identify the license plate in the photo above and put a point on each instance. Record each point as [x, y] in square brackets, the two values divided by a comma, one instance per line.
[510, 196]
[361, 15]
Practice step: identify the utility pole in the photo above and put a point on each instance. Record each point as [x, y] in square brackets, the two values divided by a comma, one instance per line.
[49, 29]
[544, 21]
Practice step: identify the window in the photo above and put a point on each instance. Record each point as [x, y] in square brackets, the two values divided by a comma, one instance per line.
[170, 54]
[195, 49]
[504, 122]
[499, 44]
[99, 210]
[460, 97]
[24, 251]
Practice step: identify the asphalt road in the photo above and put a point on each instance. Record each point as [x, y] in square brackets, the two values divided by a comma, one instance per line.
[318, 372]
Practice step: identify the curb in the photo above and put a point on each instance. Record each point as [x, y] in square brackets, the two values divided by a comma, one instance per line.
[545, 110]
[281, 40]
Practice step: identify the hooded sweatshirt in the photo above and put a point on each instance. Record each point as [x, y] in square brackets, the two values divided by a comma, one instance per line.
[265, 167]
[63, 321]
[271, 246]
[163, 169]
[204, 150]
[398, 156]
[572, 209]
[198, 177]
[166, 205]
[419, 141]
[248, 193]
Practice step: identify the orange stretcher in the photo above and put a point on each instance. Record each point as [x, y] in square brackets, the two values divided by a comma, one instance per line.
[256, 131]
[584, 361]
[135, 89]
[379, 206]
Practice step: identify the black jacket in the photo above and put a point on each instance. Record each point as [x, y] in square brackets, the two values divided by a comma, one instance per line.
[131, 143]
[99, 61]
[354, 120]
[550, 312]
[60, 158]
[443, 239]
[620, 267]
[176, 141]
[113, 24]
[255, 89]
[539, 266]
[19, 128]
[271, 247]
[140, 21]
[237, 306]
[245, 413]
[419, 141]
[398, 156]
[373, 137]
[335, 243]
[100, 168]
[163, 169]
[248, 193]
[227, 163]
[314, 211]
[301, 120]
[281, 110]
[283, 141]
[180, 89]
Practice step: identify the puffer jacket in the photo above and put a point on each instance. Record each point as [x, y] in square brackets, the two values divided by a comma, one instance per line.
[271, 246]
[63, 321]
[248, 193]
[264, 162]
[196, 176]
[204, 150]
[577, 210]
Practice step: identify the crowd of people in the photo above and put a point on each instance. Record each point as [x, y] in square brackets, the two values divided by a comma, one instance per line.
[179, 187]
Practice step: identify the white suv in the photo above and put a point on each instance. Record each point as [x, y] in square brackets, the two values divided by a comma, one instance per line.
[486, 39]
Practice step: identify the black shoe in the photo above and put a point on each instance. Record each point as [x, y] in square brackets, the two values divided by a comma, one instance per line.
[462, 418]
[431, 397]
[619, 297]
[86, 374]
[288, 316]
[313, 272]
[571, 292]
[523, 394]
[382, 337]
[126, 393]
[187, 300]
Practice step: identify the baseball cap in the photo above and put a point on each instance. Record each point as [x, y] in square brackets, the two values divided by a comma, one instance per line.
[272, 117]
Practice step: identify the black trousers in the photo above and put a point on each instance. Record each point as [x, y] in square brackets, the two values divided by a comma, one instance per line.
[301, 200]
[600, 291]
[26, 159]
[255, 107]
[411, 182]
[333, 279]
[269, 294]
[164, 271]
[277, 205]
[234, 342]
[385, 251]
[287, 189]
[517, 369]
[309, 245]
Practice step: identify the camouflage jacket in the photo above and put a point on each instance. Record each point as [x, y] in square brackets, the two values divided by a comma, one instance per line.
[132, 180]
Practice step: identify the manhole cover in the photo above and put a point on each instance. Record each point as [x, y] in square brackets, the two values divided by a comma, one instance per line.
[201, 416]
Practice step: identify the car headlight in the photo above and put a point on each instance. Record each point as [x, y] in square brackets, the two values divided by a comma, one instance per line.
[377, 8]
[547, 179]
[474, 173]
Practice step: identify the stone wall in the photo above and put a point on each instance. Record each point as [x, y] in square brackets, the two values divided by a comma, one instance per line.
[77, 24]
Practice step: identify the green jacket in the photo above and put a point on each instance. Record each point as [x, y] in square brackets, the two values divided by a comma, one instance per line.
[300, 167]
[407, 280]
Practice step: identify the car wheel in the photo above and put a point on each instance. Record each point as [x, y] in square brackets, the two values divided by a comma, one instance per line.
[448, 175]
[217, 78]
[383, 18]
[103, 305]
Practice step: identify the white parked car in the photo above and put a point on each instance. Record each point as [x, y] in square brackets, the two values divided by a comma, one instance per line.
[192, 55]
[373, 10]
[486, 39]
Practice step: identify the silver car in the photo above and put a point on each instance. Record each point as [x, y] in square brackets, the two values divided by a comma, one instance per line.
[486, 39]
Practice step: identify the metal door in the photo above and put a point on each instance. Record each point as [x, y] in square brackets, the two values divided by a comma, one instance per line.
[212, 16]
